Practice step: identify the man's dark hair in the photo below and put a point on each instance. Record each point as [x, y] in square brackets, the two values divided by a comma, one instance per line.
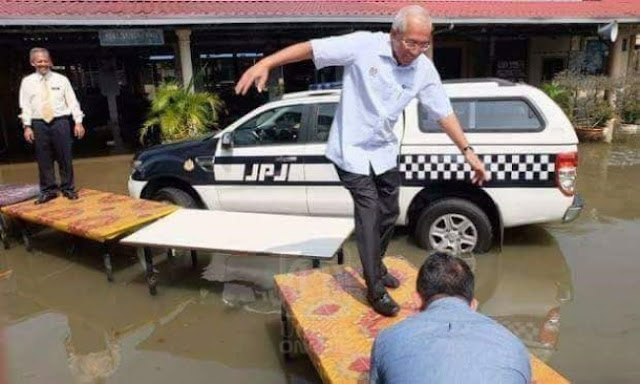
[445, 275]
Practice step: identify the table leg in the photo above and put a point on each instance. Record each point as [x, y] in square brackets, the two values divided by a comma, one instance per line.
[286, 334]
[26, 236]
[151, 279]
[315, 263]
[171, 255]
[194, 259]
[73, 244]
[340, 256]
[106, 255]
[3, 231]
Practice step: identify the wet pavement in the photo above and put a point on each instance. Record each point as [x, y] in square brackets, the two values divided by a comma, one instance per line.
[570, 292]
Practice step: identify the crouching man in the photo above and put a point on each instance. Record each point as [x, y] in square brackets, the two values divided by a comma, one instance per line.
[448, 341]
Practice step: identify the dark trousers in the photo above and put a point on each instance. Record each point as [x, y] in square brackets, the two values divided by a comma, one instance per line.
[375, 199]
[53, 142]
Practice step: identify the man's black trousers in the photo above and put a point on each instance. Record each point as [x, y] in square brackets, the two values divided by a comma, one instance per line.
[53, 142]
[375, 199]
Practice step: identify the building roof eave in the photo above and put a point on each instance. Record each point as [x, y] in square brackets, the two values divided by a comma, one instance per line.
[169, 20]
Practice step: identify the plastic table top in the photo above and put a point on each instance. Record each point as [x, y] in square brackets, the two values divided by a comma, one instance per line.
[246, 233]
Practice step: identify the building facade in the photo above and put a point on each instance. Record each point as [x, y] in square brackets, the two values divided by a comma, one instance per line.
[116, 52]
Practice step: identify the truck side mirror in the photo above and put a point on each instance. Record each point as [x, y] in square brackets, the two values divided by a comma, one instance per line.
[227, 140]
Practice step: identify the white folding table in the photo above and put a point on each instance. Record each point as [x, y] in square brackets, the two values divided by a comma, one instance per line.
[318, 238]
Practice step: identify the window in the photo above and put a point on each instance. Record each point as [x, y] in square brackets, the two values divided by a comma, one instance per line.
[551, 66]
[275, 126]
[323, 122]
[513, 115]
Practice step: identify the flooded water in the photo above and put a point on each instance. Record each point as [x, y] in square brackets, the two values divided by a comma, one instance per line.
[570, 292]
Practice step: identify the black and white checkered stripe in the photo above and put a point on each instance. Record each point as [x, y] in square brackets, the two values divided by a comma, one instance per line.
[507, 170]
[535, 170]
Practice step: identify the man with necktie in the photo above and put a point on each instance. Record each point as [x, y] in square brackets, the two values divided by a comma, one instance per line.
[48, 102]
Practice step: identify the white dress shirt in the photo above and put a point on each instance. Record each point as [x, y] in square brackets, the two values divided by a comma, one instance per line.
[63, 99]
[375, 91]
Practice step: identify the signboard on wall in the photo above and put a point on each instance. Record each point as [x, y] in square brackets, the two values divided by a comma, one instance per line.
[514, 70]
[131, 37]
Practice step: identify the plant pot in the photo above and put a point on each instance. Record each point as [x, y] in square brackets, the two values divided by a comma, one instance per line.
[586, 134]
[629, 128]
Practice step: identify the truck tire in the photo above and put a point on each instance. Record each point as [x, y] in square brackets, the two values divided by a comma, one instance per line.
[454, 225]
[175, 196]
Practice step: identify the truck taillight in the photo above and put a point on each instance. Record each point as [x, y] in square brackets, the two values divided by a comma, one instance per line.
[567, 172]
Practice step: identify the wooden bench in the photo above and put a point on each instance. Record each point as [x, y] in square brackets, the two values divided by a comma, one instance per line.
[100, 216]
[328, 311]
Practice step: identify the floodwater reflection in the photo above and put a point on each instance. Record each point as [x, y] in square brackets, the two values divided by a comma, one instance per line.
[65, 324]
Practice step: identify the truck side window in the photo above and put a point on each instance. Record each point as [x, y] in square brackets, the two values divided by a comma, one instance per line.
[491, 115]
[326, 112]
[275, 126]
[507, 115]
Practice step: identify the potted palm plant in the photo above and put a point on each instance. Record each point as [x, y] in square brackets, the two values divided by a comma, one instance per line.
[584, 100]
[178, 113]
[557, 93]
[628, 104]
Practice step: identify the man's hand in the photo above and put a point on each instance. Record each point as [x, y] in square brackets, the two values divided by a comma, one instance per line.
[78, 131]
[451, 126]
[256, 75]
[28, 135]
[480, 175]
[259, 73]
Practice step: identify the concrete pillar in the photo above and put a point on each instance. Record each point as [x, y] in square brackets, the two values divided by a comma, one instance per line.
[619, 59]
[617, 62]
[184, 44]
[110, 88]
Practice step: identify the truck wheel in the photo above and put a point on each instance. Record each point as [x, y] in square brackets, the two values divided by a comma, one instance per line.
[454, 225]
[175, 196]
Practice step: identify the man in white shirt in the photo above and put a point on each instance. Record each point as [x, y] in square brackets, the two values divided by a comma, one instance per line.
[48, 102]
[382, 74]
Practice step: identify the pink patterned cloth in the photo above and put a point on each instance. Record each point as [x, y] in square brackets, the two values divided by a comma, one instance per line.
[15, 193]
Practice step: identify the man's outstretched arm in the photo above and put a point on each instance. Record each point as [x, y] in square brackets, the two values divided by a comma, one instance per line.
[258, 74]
[451, 126]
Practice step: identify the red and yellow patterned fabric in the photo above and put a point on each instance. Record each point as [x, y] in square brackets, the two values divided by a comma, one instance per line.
[96, 215]
[329, 312]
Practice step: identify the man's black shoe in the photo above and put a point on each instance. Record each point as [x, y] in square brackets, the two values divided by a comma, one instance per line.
[390, 281]
[384, 305]
[71, 195]
[45, 197]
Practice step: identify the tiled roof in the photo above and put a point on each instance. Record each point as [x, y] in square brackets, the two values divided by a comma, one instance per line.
[212, 11]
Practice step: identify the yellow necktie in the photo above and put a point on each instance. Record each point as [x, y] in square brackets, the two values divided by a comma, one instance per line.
[47, 107]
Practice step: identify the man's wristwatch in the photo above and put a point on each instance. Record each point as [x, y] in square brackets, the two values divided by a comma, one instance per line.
[467, 148]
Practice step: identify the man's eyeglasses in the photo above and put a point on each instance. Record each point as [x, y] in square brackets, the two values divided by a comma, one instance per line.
[410, 44]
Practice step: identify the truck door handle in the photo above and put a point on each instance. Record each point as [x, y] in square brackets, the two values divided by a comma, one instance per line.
[286, 159]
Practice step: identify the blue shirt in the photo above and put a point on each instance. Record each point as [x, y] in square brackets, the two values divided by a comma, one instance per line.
[375, 92]
[449, 343]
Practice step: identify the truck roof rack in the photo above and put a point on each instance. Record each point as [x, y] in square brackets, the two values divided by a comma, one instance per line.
[320, 92]
[500, 82]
